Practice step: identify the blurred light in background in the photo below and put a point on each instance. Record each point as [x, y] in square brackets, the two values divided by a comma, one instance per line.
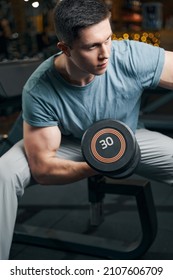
[35, 4]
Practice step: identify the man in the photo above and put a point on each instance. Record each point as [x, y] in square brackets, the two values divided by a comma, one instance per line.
[92, 78]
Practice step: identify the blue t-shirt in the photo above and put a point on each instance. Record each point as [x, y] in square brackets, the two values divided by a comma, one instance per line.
[49, 100]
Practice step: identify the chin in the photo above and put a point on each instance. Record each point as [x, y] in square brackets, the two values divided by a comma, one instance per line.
[100, 72]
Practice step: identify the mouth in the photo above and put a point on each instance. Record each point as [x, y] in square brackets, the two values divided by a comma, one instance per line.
[103, 65]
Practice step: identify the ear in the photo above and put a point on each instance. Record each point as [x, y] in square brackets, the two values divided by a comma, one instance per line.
[64, 48]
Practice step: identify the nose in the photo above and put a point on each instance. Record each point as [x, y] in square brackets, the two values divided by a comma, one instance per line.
[104, 51]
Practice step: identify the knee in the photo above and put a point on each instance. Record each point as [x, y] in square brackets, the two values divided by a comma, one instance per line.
[4, 171]
[14, 169]
[6, 183]
[12, 180]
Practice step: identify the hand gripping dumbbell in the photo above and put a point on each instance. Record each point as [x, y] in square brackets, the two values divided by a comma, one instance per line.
[110, 147]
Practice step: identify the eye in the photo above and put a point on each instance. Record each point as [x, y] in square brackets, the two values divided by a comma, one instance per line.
[108, 40]
[92, 47]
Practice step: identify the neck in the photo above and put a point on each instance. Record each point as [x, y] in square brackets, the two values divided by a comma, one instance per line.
[71, 72]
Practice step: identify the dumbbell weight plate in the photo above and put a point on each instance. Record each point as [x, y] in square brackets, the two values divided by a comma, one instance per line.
[109, 146]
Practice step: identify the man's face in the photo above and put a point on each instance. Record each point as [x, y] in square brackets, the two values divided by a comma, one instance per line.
[90, 53]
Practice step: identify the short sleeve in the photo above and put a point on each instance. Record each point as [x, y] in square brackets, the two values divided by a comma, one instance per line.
[147, 62]
[37, 107]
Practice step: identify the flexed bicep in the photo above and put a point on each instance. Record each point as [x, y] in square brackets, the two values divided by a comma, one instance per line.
[40, 145]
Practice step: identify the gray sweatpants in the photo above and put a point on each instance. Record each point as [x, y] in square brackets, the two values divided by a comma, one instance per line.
[156, 163]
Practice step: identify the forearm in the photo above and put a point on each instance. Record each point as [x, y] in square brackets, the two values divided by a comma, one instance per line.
[59, 171]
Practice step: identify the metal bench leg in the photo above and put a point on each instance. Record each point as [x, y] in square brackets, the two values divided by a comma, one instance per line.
[141, 190]
[96, 202]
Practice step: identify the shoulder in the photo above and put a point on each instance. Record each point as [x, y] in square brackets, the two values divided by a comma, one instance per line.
[136, 52]
[40, 74]
[124, 46]
[139, 60]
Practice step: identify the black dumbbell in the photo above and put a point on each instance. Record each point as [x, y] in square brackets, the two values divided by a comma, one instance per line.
[110, 147]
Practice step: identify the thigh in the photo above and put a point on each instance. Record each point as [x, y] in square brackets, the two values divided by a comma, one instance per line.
[14, 168]
[156, 155]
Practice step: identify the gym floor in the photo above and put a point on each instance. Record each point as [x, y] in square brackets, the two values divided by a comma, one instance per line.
[66, 208]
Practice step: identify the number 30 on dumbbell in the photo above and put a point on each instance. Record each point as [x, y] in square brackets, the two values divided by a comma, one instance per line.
[110, 147]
